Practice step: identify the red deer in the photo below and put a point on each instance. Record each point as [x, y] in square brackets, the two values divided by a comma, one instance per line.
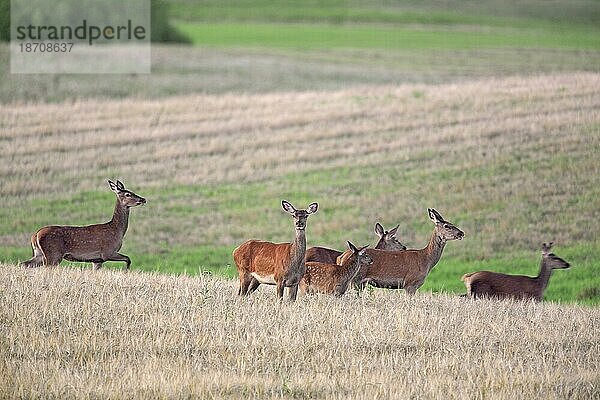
[280, 264]
[497, 285]
[408, 269]
[92, 243]
[333, 278]
[387, 241]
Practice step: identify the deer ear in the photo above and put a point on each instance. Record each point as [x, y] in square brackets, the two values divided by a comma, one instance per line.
[362, 249]
[312, 208]
[352, 247]
[113, 186]
[392, 232]
[287, 207]
[435, 216]
[379, 231]
[120, 185]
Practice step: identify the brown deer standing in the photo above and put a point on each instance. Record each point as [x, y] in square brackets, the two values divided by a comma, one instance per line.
[334, 278]
[408, 269]
[497, 285]
[387, 241]
[92, 243]
[280, 264]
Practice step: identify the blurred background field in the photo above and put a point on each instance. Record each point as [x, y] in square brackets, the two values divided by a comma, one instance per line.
[266, 46]
[487, 111]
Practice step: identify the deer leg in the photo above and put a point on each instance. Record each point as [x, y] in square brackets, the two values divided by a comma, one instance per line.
[254, 284]
[280, 287]
[303, 287]
[293, 291]
[52, 260]
[120, 257]
[36, 261]
[245, 280]
[479, 290]
[411, 290]
[97, 265]
[362, 284]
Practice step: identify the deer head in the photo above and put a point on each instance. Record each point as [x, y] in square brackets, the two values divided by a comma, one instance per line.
[445, 230]
[300, 216]
[551, 260]
[546, 248]
[363, 257]
[387, 239]
[125, 197]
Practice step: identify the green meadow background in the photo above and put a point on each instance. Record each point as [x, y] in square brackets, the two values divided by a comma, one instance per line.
[262, 47]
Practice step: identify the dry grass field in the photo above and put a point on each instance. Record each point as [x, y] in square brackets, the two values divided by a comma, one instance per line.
[67, 333]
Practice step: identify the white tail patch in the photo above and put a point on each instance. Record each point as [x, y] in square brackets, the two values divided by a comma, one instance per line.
[267, 279]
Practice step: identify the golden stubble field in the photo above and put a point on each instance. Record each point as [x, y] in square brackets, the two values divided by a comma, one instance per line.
[237, 137]
[68, 333]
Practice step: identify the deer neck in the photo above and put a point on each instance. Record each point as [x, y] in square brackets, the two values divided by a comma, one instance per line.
[298, 247]
[350, 268]
[433, 251]
[544, 275]
[120, 218]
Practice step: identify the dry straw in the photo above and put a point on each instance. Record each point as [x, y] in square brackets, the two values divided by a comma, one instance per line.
[68, 333]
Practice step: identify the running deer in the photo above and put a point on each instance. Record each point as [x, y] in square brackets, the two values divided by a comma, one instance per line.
[497, 285]
[387, 241]
[333, 278]
[92, 243]
[280, 264]
[408, 269]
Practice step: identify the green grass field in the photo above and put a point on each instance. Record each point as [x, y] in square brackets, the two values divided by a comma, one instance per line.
[378, 110]
[390, 25]
[311, 36]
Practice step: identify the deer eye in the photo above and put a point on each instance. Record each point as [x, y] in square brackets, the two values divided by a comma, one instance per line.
[127, 194]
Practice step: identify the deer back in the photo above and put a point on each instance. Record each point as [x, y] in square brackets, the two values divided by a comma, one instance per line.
[322, 255]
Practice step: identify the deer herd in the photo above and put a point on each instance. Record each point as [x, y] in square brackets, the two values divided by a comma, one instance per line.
[388, 265]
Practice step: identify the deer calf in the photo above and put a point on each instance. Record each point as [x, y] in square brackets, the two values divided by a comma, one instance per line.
[333, 278]
[280, 264]
[92, 243]
[408, 269]
[387, 241]
[497, 285]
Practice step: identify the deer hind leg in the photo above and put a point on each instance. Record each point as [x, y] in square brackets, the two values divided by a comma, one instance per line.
[51, 249]
[97, 265]
[411, 290]
[119, 257]
[38, 255]
[52, 259]
[480, 290]
[245, 280]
